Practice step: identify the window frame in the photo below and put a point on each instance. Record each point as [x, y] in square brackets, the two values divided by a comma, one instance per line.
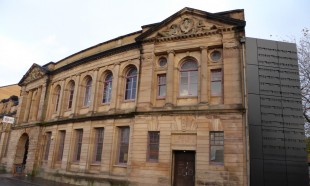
[107, 88]
[78, 145]
[160, 85]
[98, 144]
[61, 145]
[213, 79]
[216, 145]
[149, 143]
[121, 145]
[131, 79]
[47, 145]
[188, 76]
[87, 92]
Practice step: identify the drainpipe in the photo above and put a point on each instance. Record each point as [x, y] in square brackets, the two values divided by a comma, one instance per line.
[247, 146]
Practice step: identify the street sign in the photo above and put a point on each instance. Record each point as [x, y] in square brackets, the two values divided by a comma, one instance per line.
[7, 119]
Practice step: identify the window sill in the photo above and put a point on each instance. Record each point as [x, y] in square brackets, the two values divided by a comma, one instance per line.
[129, 100]
[120, 165]
[105, 104]
[186, 97]
[95, 164]
[161, 98]
[217, 163]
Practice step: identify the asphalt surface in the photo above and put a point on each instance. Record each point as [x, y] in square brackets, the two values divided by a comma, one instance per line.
[10, 180]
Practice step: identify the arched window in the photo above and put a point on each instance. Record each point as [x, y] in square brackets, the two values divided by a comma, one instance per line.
[131, 84]
[87, 91]
[189, 78]
[107, 88]
[57, 97]
[70, 94]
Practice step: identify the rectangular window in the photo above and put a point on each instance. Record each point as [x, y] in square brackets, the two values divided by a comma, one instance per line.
[61, 145]
[217, 147]
[153, 146]
[78, 144]
[161, 78]
[216, 82]
[48, 144]
[123, 145]
[98, 145]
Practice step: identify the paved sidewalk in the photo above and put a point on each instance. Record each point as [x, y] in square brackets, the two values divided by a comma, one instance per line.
[10, 180]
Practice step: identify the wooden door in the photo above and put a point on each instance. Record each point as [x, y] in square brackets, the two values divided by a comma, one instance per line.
[184, 168]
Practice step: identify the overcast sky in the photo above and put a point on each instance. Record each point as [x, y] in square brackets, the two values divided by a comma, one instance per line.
[40, 31]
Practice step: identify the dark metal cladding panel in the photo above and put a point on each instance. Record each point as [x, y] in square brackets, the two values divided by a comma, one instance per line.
[274, 173]
[256, 142]
[295, 145]
[277, 147]
[251, 51]
[253, 81]
[297, 173]
[254, 117]
[273, 143]
[257, 173]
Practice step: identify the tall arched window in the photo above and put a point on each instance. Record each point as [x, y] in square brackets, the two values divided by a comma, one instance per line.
[87, 91]
[131, 84]
[107, 88]
[70, 94]
[189, 78]
[57, 97]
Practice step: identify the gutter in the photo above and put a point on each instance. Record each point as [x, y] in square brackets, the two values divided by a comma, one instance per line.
[247, 146]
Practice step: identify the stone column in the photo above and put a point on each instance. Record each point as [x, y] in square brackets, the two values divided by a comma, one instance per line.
[170, 79]
[204, 75]
[93, 92]
[28, 106]
[115, 88]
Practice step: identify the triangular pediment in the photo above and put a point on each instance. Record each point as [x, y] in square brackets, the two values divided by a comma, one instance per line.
[190, 21]
[35, 72]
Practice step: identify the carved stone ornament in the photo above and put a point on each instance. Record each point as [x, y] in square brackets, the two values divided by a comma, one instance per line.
[35, 73]
[153, 124]
[185, 124]
[187, 25]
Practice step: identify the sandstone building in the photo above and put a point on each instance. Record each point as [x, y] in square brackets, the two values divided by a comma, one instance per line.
[161, 106]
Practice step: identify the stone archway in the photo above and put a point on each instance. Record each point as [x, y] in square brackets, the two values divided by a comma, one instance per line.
[21, 152]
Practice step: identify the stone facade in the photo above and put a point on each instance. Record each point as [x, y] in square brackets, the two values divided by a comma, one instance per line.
[180, 78]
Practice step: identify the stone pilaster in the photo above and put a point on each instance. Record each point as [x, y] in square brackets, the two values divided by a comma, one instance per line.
[94, 91]
[76, 94]
[170, 79]
[204, 75]
[115, 87]
[28, 106]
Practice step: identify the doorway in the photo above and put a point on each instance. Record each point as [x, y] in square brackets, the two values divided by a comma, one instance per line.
[21, 153]
[184, 168]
